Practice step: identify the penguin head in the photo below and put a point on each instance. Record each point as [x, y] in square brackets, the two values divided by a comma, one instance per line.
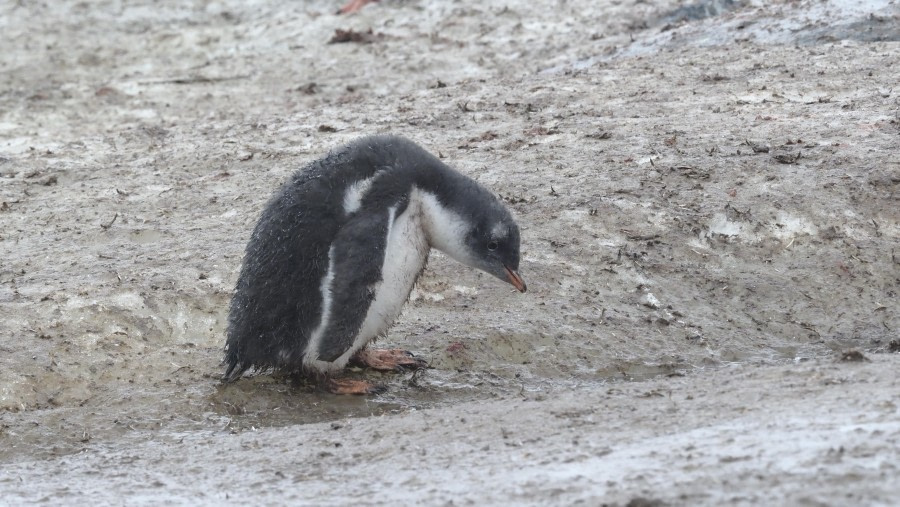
[492, 244]
[477, 231]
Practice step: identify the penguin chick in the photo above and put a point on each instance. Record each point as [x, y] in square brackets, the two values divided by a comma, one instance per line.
[338, 249]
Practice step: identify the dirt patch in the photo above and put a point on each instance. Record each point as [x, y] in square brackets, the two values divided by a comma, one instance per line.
[694, 192]
[745, 434]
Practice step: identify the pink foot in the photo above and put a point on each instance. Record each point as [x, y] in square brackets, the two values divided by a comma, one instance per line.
[387, 360]
[350, 386]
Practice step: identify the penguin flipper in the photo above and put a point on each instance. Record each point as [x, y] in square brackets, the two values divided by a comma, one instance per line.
[358, 254]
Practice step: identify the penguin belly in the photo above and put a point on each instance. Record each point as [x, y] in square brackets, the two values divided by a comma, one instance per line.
[405, 255]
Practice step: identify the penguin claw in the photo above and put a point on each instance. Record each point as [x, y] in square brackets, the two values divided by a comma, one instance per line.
[395, 360]
[350, 386]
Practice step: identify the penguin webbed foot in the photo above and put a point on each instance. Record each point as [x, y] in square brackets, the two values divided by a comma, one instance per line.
[388, 360]
[352, 386]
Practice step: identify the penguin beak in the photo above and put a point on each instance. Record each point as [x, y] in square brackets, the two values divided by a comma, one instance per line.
[515, 279]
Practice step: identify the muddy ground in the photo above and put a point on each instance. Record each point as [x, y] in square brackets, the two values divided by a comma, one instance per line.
[710, 219]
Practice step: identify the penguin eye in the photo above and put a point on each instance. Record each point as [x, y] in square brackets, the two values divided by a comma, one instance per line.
[492, 245]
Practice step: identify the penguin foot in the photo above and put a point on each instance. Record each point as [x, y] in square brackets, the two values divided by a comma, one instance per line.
[388, 360]
[354, 5]
[350, 386]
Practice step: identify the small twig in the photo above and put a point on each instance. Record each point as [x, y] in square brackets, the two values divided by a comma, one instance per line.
[194, 79]
[107, 226]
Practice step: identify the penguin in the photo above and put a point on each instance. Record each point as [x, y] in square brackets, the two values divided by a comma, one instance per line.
[338, 249]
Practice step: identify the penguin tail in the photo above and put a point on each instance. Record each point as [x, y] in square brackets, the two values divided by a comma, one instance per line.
[234, 372]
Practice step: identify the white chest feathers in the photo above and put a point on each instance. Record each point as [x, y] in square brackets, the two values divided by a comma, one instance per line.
[405, 255]
[424, 224]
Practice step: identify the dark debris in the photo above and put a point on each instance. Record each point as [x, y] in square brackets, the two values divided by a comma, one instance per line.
[852, 356]
[341, 36]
